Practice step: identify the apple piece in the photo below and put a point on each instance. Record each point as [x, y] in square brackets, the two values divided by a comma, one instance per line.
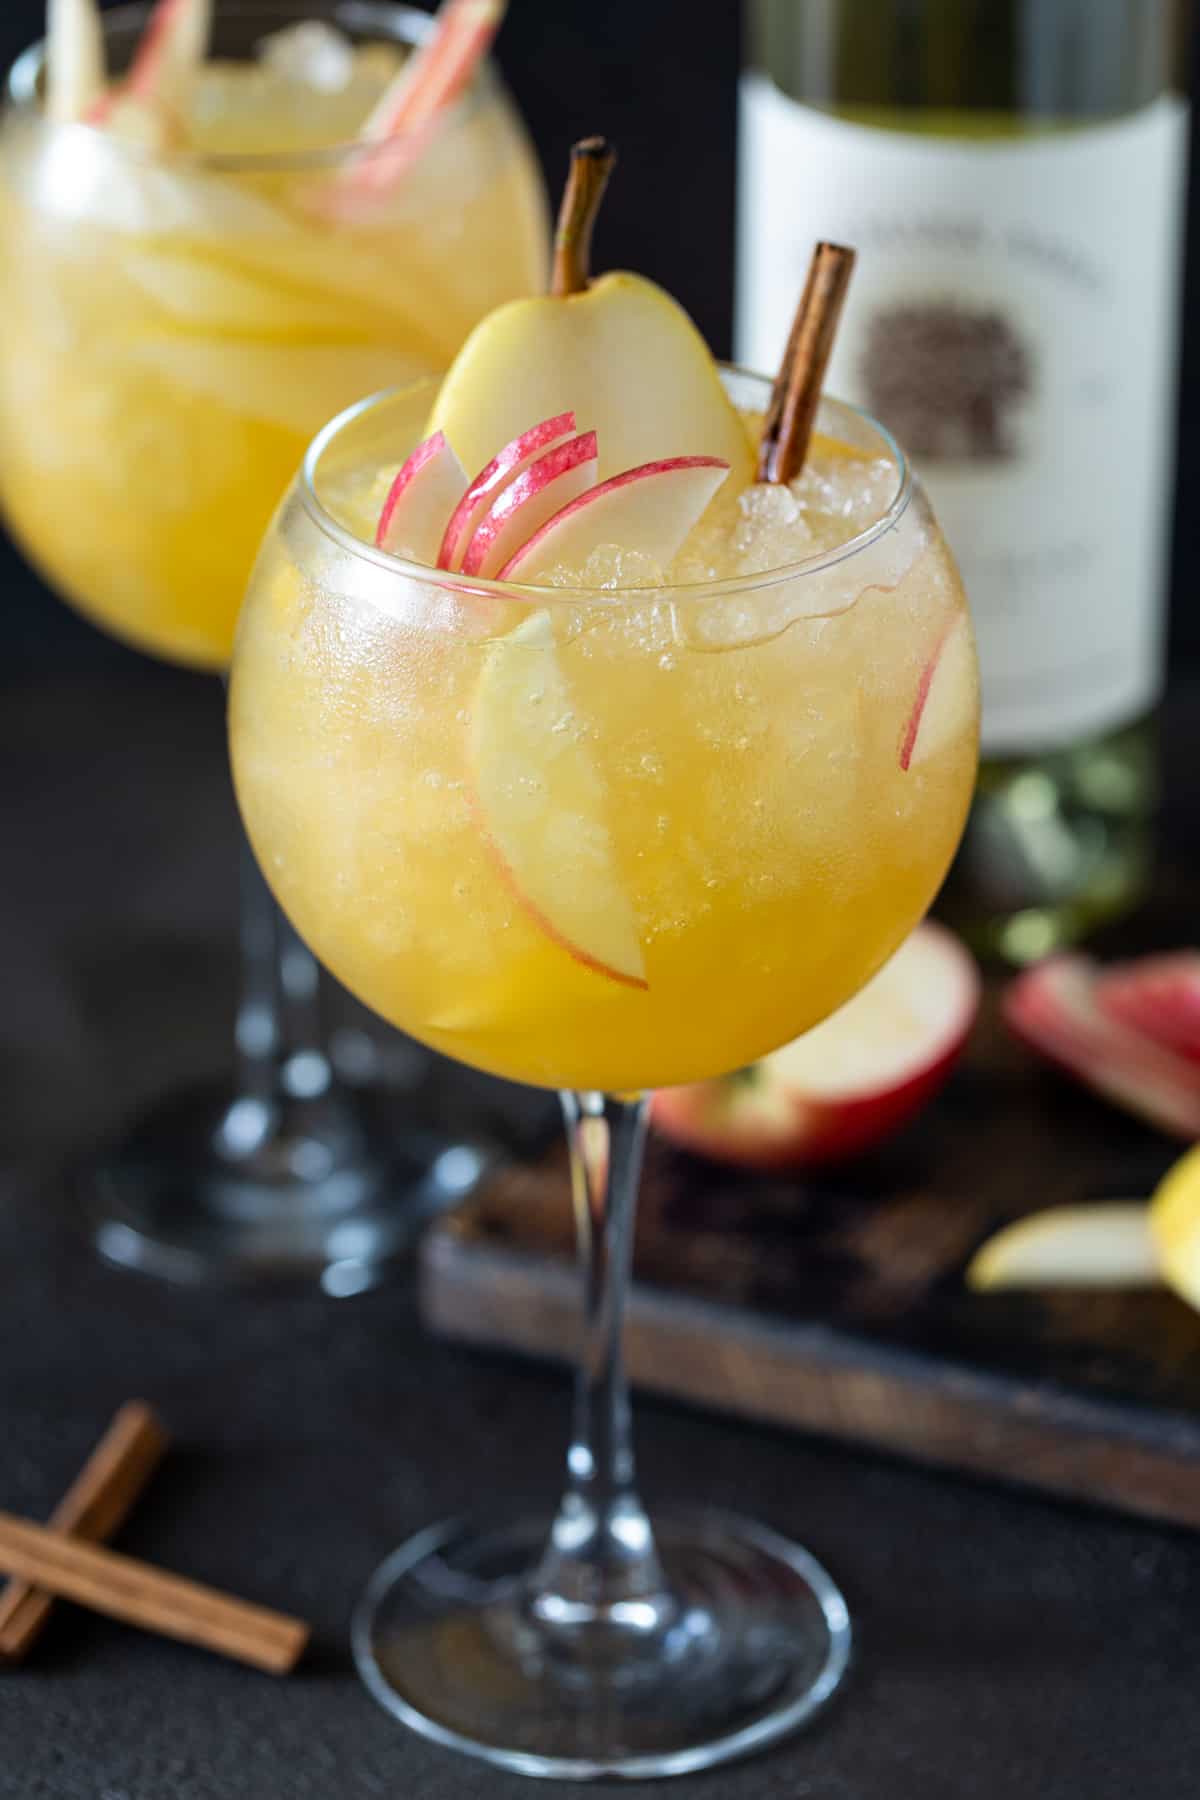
[429, 485]
[1175, 1226]
[1107, 1245]
[75, 62]
[650, 510]
[173, 46]
[1056, 1010]
[945, 696]
[493, 478]
[432, 78]
[622, 354]
[541, 804]
[550, 482]
[847, 1083]
[1158, 996]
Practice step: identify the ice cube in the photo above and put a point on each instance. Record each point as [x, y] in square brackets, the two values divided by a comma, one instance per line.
[312, 54]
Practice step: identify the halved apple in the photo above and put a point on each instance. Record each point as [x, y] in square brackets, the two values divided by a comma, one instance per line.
[1158, 996]
[75, 72]
[429, 485]
[1055, 1009]
[549, 483]
[849, 1082]
[651, 509]
[493, 478]
[945, 696]
[542, 805]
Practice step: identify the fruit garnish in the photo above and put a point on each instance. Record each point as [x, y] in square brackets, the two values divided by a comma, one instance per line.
[153, 95]
[1158, 996]
[75, 68]
[945, 699]
[1105, 1245]
[429, 485]
[493, 478]
[651, 509]
[1175, 1227]
[617, 351]
[847, 1083]
[1056, 1009]
[548, 484]
[433, 77]
[542, 807]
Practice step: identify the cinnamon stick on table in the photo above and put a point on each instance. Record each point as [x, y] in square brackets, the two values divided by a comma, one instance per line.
[96, 1503]
[797, 391]
[141, 1595]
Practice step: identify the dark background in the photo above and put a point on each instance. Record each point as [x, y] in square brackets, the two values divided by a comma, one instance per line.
[659, 77]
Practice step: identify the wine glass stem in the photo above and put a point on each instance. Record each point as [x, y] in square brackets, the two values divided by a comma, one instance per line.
[280, 1053]
[601, 1565]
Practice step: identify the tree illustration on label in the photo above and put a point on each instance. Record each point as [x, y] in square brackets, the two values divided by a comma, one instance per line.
[948, 379]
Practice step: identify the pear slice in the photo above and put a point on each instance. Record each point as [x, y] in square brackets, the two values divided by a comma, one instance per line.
[1107, 1245]
[542, 804]
[623, 356]
[1175, 1226]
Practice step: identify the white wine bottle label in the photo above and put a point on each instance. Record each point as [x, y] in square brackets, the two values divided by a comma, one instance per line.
[1013, 320]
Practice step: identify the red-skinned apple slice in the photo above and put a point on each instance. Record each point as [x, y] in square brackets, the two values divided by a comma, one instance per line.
[429, 485]
[945, 694]
[1055, 1008]
[1158, 996]
[75, 75]
[487, 486]
[542, 808]
[172, 48]
[650, 509]
[431, 80]
[548, 484]
[849, 1082]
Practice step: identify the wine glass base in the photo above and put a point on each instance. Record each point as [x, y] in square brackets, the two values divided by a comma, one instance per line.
[212, 1189]
[442, 1640]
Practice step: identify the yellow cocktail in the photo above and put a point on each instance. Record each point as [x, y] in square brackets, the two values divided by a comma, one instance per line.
[598, 841]
[179, 319]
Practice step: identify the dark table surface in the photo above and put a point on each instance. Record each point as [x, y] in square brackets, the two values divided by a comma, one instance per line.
[1007, 1646]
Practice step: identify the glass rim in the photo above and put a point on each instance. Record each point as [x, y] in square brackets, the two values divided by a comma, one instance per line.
[721, 588]
[402, 23]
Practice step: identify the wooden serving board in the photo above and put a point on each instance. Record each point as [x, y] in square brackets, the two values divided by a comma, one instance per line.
[836, 1303]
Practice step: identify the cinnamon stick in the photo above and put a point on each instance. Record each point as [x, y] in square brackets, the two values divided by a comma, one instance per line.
[96, 1503]
[797, 391]
[592, 162]
[138, 1594]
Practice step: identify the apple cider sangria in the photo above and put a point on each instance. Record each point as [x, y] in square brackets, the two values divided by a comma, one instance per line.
[207, 256]
[603, 727]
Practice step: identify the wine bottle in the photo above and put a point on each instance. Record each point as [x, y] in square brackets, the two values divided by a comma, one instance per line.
[1011, 173]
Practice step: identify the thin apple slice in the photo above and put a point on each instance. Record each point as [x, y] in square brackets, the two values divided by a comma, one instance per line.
[850, 1081]
[75, 70]
[429, 485]
[1056, 1010]
[549, 483]
[1106, 1245]
[542, 805]
[173, 47]
[945, 697]
[431, 80]
[651, 510]
[1158, 996]
[493, 478]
